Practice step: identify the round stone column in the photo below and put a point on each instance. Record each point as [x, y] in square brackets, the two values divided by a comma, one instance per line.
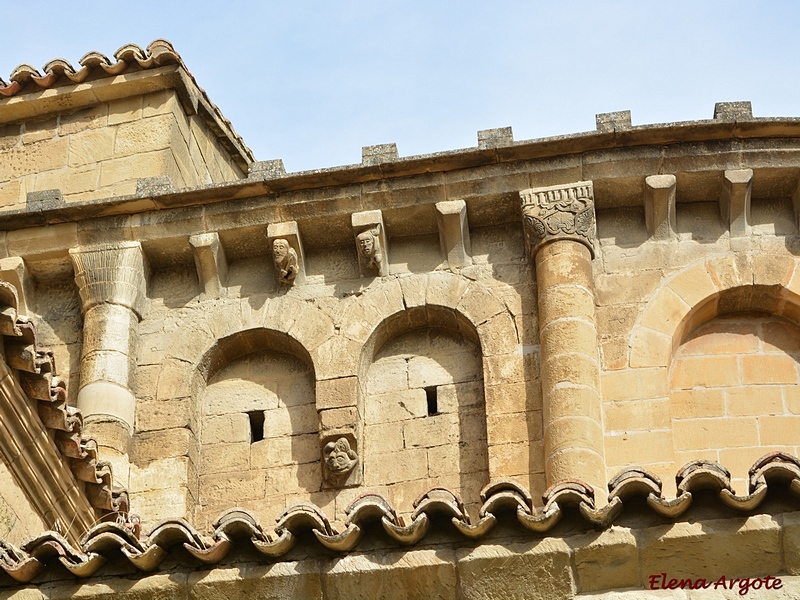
[112, 285]
[559, 226]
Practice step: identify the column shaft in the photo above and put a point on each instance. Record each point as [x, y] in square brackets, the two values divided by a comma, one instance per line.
[111, 281]
[573, 435]
[559, 226]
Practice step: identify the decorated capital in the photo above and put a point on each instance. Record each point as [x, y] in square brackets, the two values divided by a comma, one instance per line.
[559, 212]
[112, 274]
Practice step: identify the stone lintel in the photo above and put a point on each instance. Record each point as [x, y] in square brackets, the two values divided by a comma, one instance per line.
[378, 154]
[211, 263]
[14, 271]
[659, 207]
[451, 217]
[495, 138]
[734, 201]
[115, 274]
[288, 231]
[613, 121]
[733, 111]
[371, 243]
[559, 212]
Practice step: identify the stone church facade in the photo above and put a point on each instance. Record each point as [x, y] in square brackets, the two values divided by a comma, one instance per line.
[549, 368]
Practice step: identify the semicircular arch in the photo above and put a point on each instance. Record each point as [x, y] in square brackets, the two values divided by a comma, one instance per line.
[706, 289]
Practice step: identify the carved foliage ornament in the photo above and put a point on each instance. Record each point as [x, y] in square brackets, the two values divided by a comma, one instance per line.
[559, 212]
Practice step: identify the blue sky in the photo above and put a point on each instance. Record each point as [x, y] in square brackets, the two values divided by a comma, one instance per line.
[313, 82]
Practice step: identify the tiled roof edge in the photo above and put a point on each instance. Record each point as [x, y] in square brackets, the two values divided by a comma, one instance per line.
[38, 379]
[238, 525]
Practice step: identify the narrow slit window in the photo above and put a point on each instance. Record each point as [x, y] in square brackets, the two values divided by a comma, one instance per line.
[433, 402]
[256, 425]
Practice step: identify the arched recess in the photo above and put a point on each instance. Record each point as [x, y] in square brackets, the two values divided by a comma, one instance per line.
[700, 362]
[452, 313]
[258, 432]
[423, 407]
[220, 333]
[705, 289]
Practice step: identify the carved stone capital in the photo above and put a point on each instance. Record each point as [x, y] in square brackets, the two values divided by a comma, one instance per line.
[559, 212]
[114, 274]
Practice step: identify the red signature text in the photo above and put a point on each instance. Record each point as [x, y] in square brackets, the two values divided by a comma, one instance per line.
[661, 581]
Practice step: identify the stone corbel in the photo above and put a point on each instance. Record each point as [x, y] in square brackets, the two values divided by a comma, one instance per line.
[371, 246]
[341, 465]
[659, 207]
[559, 212]
[734, 201]
[14, 271]
[451, 217]
[339, 420]
[211, 263]
[287, 252]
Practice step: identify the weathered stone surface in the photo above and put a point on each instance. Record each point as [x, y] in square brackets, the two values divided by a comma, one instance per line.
[418, 574]
[157, 587]
[672, 338]
[535, 570]
[280, 580]
[713, 549]
[337, 393]
[604, 561]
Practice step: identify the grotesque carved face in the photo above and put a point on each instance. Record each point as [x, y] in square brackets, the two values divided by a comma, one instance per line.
[280, 250]
[339, 457]
[366, 245]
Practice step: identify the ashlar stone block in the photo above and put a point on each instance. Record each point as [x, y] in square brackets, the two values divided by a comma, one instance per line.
[534, 570]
